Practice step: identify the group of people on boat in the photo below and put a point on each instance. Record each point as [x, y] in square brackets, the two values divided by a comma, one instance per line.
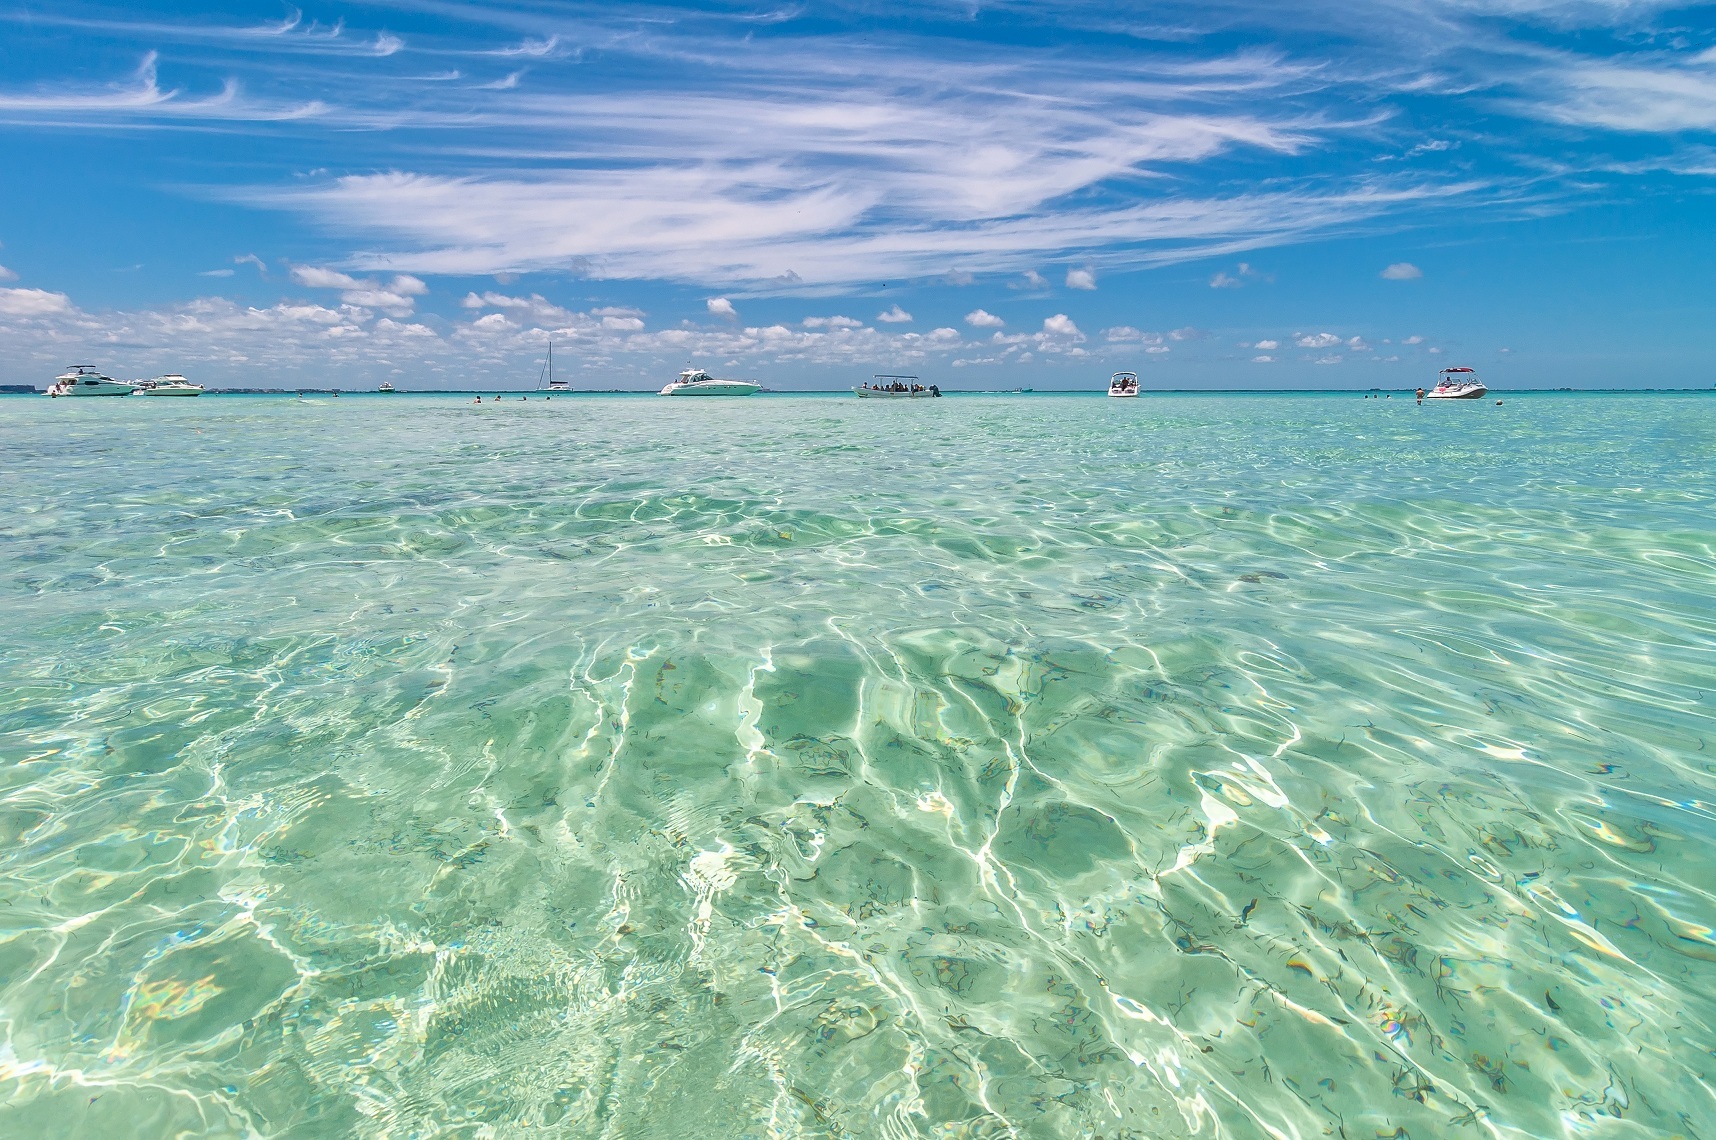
[896, 386]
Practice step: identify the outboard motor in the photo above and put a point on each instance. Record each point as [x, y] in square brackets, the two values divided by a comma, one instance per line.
[935, 391]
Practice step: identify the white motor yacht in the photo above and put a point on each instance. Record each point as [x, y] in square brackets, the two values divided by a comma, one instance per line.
[387, 388]
[1123, 384]
[172, 384]
[696, 382]
[84, 380]
[896, 388]
[1458, 384]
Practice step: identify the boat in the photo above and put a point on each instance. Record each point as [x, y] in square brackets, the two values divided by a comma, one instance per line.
[896, 388]
[696, 382]
[553, 385]
[172, 384]
[1123, 384]
[387, 389]
[84, 380]
[1458, 384]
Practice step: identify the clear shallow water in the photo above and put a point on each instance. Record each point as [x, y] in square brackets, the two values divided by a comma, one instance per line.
[798, 767]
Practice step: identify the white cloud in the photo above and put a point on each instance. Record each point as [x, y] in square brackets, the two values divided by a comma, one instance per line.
[1122, 334]
[251, 259]
[395, 297]
[1402, 271]
[722, 307]
[1158, 349]
[983, 319]
[7, 274]
[1357, 344]
[217, 273]
[1267, 345]
[623, 324]
[532, 49]
[1061, 325]
[1413, 340]
[1263, 360]
[894, 316]
[1318, 340]
[1237, 279]
[1030, 279]
[33, 303]
[832, 323]
[1081, 278]
[318, 278]
[1332, 358]
[1187, 333]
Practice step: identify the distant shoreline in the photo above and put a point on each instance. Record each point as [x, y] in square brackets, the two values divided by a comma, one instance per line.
[26, 390]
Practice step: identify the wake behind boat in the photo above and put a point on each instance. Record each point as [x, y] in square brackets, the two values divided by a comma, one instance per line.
[1458, 384]
[696, 382]
[896, 388]
[1123, 385]
[84, 380]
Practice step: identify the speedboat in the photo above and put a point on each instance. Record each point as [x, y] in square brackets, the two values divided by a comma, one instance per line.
[84, 380]
[387, 389]
[1458, 384]
[696, 382]
[896, 388]
[172, 384]
[1123, 384]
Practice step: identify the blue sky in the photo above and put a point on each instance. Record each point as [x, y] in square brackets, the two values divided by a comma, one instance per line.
[1217, 194]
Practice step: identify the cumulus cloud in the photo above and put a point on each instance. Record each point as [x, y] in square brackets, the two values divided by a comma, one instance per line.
[395, 297]
[7, 274]
[1030, 279]
[722, 307]
[1237, 279]
[1267, 345]
[1122, 334]
[1081, 278]
[832, 323]
[1413, 340]
[1061, 325]
[983, 319]
[1402, 271]
[33, 303]
[1317, 340]
[894, 316]
[1263, 360]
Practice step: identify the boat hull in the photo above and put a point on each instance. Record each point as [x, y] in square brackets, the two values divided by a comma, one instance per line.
[1476, 392]
[1123, 395]
[712, 388]
[189, 390]
[97, 388]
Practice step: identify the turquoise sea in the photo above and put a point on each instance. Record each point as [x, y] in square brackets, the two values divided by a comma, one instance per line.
[801, 767]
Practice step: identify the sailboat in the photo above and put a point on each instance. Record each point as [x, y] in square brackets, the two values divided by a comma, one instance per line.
[553, 385]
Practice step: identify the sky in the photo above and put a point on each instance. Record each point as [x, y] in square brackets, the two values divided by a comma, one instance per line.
[1030, 193]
